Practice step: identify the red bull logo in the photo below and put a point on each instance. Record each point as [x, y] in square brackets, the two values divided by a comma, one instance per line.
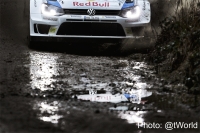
[97, 4]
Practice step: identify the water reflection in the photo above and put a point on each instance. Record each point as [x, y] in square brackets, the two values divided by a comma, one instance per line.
[132, 91]
[48, 111]
[42, 70]
[133, 116]
[133, 96]
[117, 85]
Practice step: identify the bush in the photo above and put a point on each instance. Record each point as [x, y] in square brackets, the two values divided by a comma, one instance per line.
[179, 43]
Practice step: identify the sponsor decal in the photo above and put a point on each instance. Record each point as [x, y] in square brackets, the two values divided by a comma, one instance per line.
[86, 18]
[75, 16]
[91, 18]
[144, 5]
[110, 17]
[97, 4]
[52, 30]
[97, 98]
[35, 3]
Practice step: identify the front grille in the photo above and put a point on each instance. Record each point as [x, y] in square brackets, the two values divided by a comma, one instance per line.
[91, 29]
[84, 12]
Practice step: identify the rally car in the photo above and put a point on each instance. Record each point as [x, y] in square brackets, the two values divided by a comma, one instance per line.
[87, 18]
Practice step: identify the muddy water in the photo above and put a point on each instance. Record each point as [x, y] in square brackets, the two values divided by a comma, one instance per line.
[46, 91]
[75, 93]
[87, 76]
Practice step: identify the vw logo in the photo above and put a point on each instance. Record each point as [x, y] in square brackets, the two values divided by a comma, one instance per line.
[91, 12]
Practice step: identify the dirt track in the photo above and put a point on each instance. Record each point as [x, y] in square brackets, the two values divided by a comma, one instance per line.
[39, 88]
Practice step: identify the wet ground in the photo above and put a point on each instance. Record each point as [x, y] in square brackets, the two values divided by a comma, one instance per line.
[84, 88]
[41, 92]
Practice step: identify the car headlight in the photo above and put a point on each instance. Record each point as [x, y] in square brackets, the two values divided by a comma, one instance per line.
[132, 13]
[51, 10]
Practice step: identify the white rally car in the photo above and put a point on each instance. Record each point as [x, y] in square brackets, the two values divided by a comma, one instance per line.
[87, 18]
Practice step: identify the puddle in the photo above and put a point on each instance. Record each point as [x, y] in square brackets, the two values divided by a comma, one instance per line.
[133, 116]
[50, 72]
[83, 86]
[48, 111]
[43, 68]
[133, 96]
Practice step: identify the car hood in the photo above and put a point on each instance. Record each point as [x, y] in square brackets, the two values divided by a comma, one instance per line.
[87, 4]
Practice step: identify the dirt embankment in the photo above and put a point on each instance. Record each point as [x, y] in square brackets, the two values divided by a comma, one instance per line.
[176, 54]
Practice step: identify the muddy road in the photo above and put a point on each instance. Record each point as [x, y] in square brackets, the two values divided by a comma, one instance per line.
[45, 91]
[82, 87]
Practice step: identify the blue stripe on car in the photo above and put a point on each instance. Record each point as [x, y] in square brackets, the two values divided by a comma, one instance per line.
[54, 3]
[127, 5]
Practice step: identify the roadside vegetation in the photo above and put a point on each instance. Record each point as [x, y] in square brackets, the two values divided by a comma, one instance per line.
[177, 51]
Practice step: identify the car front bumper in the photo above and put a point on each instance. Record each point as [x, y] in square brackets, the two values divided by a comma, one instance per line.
[84, 26]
